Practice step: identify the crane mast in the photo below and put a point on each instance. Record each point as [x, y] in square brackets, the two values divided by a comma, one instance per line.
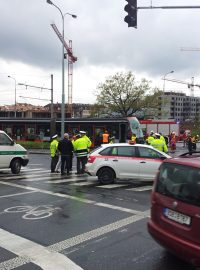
[71, 59]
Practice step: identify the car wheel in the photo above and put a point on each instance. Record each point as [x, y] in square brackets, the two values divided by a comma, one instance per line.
[106, 176]
[15, 166]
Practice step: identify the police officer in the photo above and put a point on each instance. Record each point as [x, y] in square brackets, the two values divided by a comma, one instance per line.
[159, 144]
[83, 135]
[150, 137]
[54, 152]
[81, 146]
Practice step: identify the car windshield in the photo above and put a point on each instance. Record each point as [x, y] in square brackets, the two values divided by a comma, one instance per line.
[179, 182]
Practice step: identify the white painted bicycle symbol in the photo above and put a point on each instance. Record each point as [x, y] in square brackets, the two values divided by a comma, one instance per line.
[33, 212]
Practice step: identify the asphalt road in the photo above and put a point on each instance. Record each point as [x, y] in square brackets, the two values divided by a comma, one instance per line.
[73, 223]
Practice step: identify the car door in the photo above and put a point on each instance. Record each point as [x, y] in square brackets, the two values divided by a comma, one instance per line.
[150, 160]
[126, 162]
[6, 150]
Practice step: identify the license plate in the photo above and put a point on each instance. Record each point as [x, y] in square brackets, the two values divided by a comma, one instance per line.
[176, 216]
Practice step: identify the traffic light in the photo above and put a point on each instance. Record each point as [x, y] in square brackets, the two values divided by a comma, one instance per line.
[131, 9]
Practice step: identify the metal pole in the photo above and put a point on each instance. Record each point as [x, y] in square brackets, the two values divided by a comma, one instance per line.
[63, 67]
[51, 96]
[63, 81]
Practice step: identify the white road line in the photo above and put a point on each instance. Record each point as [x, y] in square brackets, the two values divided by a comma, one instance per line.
[35, 253]
[63, 181]
[17, 194]
[140, 188]
[114, 207]
[71, 242]
[112, 186]
[30, 256]
[72, 198]
[82, 184]
[27, 169]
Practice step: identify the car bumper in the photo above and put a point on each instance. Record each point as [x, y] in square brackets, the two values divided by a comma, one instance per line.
[182, 248]
[25, 161]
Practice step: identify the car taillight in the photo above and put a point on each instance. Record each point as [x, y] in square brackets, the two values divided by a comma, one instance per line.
[91, 159]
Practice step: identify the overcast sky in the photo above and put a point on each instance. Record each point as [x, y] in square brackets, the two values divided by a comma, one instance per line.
[30, 51]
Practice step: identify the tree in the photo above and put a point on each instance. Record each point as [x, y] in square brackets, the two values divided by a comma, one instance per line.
[122, 94]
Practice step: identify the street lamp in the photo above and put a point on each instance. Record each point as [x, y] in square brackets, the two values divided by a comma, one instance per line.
[63, 66]
[165, 77]
[15, 96]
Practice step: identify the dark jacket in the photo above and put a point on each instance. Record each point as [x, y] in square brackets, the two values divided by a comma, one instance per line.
[65, 147]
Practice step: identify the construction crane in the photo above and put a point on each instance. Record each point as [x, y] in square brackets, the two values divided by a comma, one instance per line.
[189, 49]
[190, 85]
[71, 59]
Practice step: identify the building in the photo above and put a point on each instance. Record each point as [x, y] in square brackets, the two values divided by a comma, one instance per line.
[25, 110]
[179, 106]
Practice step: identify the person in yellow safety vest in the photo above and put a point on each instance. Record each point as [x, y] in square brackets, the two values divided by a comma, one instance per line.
[54, 152]
[83, 135]
[81, 150]
[112, 140]
[162, 137]
[105, 137]
[150, 138]
[159, 144]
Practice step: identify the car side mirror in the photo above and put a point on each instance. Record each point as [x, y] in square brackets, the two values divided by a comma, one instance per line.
[12, 143]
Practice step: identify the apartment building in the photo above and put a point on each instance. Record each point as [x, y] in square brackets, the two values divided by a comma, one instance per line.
[179, 106]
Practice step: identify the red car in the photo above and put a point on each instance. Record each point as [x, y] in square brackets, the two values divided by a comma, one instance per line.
[175, 207]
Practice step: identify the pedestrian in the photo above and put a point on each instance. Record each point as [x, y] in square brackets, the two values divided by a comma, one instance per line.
[105, 137]
[184, 139]
[173, 141]
[84, 136]
[81, 146]
[54, 152]
[65, 147]
[133, 139]
[189, 143]
[112, 140]
[150, 138]
[159, 144]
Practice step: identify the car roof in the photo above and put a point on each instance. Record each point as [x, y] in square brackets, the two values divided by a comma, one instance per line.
[131, 145]
[125, 144]
[186, 161]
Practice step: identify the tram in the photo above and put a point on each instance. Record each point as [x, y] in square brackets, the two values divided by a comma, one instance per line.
[41, 129]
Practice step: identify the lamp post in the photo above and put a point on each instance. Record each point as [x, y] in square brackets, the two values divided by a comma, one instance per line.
[15, 95]
[63, 66]
[165, 77]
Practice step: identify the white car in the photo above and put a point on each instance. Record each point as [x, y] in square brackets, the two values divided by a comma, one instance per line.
[12, 155]
[124, 161]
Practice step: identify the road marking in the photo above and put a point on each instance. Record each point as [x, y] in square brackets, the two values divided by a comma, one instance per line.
[63, 181]
[76, 240]
[17, 194]
[123, 209]
[33, 252]
[82, 184]
[113, 186]
[140, 188]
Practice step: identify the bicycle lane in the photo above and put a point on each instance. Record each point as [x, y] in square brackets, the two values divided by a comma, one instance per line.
[69, 216]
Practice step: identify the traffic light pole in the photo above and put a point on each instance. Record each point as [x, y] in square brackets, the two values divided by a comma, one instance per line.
[169, 7]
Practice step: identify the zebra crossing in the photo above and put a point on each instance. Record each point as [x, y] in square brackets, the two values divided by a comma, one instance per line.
[43, 175]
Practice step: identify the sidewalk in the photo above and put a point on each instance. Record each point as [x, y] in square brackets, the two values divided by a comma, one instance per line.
[39, 151]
